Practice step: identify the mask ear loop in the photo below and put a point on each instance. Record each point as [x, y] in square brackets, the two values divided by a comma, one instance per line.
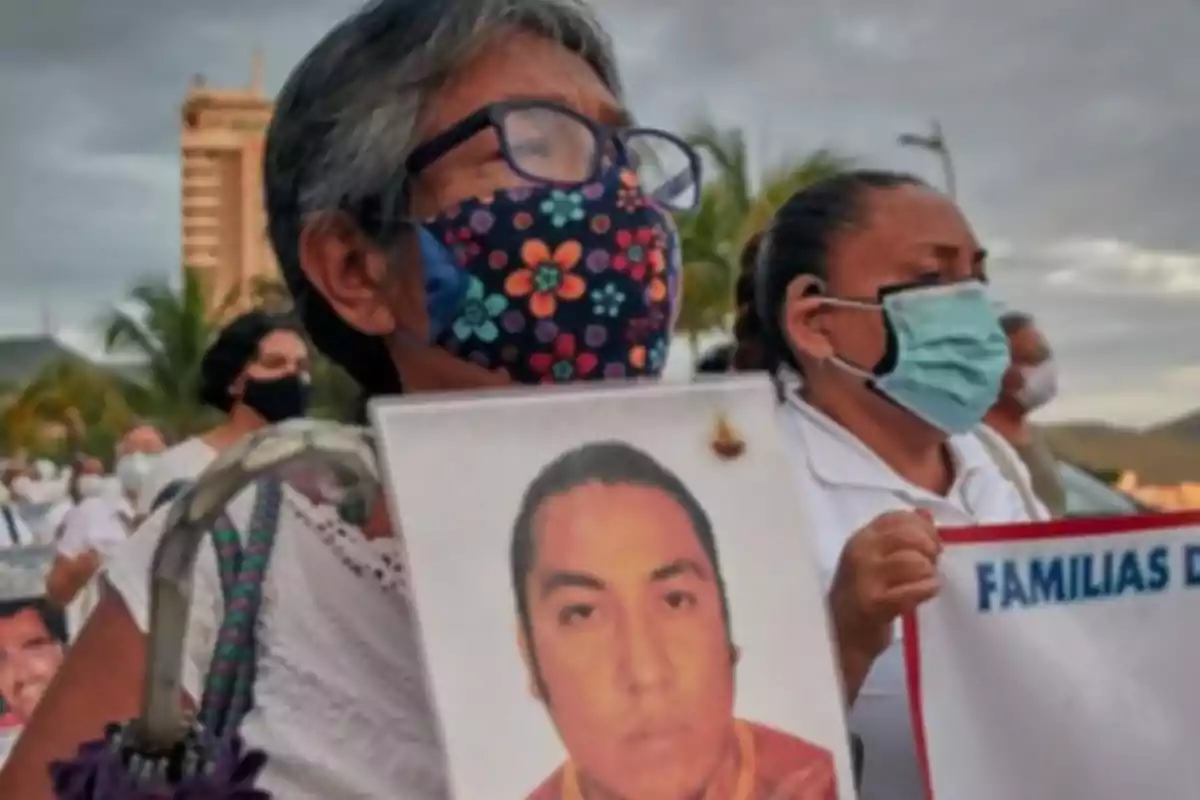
[887, 361]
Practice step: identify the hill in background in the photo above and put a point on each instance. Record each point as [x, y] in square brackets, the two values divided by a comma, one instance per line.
[1163, 455]
[1186, 427]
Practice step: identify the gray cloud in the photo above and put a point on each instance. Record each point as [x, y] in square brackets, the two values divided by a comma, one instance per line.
[89, 137]
[1072, 121]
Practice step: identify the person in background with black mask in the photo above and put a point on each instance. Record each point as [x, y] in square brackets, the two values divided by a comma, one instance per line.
[256, 372]
[1030, 383]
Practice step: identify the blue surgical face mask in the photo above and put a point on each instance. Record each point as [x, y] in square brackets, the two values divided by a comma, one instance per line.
[950, 353]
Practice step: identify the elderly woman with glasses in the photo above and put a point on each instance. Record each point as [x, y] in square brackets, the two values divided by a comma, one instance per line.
[458, 199]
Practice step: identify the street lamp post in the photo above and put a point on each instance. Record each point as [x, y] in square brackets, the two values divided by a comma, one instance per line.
[934, 142]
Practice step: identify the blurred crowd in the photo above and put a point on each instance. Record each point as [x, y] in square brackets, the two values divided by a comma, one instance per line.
[37, 495]
[254, 373]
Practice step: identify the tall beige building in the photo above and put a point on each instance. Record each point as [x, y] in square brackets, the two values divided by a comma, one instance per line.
[224, 225]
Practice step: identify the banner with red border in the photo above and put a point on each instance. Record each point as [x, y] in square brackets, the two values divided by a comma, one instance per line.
[1061, 661]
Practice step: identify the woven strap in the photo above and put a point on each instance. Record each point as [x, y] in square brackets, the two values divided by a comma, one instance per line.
[229, 685]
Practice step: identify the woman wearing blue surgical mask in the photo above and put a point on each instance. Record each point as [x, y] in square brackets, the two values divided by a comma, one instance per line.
[867, 298]
[458, 200]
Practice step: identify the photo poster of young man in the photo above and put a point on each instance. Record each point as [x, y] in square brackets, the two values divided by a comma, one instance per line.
[33, 637]
[617, 594]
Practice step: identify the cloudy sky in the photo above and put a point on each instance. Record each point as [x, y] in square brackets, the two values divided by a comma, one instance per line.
[1075, 127]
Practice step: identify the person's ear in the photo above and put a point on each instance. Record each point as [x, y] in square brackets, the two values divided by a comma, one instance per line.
[349, 270]
[803, 306]
[531, 673]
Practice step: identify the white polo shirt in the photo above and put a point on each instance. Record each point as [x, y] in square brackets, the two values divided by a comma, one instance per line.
[95, 524]
[184, 461]
[844, 486]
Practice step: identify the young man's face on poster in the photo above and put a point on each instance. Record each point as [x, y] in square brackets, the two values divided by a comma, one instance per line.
[629, 640]
[30, 654]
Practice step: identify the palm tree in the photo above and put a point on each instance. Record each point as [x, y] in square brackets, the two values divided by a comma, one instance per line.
[67, 395]
[708, 266]
[271, 295]
[725, 149]
[167, 331]
[780, 183]
[734, 205]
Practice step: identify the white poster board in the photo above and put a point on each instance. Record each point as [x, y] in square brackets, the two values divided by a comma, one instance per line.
[1058, 662]
[572, 616]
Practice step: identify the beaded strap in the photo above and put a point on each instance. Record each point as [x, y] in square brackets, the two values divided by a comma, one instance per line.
[229, 685]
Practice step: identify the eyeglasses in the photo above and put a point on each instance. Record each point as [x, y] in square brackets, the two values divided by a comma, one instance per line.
[545, 142]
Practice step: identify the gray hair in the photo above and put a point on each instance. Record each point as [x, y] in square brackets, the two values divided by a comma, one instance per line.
[1013, 322]
[346, 122]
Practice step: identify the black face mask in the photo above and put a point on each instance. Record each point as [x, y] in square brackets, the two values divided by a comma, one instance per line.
[277, 399]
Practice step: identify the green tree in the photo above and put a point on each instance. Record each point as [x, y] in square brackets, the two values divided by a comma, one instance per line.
[707, 268]
[271, 295]
[335, 394]
[166, 332]
[41, 418]
[780, 183]
[734, 205]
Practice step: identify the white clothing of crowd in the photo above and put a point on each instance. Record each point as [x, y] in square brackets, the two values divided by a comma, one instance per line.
[36, 509]
[40, 510]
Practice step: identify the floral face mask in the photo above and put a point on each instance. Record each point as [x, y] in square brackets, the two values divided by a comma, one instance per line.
[555, 285]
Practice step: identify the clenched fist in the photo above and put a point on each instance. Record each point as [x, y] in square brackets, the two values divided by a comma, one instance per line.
[888, 568]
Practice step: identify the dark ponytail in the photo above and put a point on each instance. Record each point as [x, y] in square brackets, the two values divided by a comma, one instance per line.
[796, 243]
[748, 354]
